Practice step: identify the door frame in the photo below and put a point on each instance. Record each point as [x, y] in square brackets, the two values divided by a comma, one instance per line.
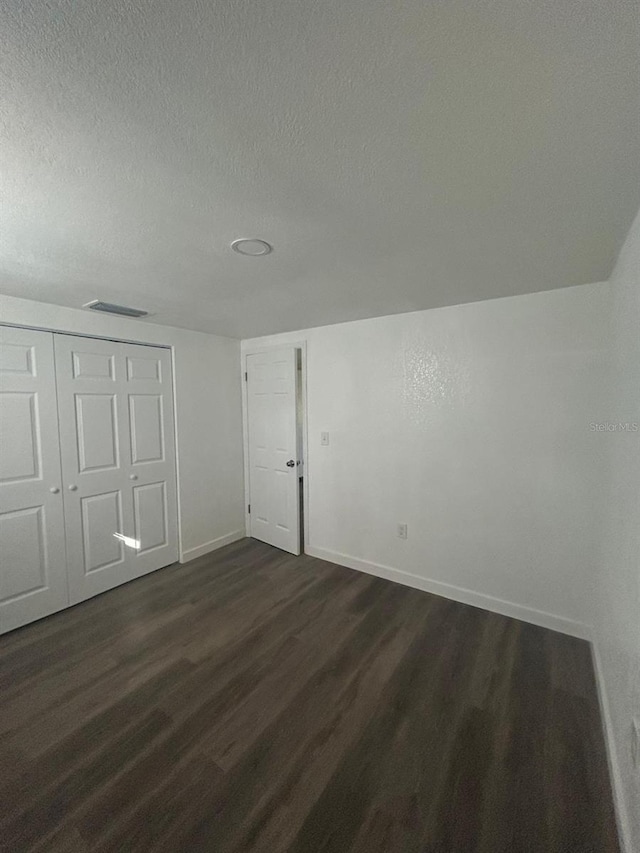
[254, 350]
[174, 394]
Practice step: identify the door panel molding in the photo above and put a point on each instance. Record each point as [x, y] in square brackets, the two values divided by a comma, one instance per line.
[109, 445]
[19, 429]
[30, 539]
[109, 551]
[147, 412]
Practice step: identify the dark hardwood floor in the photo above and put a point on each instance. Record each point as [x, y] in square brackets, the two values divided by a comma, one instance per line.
[254, 701]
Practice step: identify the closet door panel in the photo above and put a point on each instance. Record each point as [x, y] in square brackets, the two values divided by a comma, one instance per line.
[116, 418]
[101, 515]
[33, 580]
[95, 444]
[147, 433]
[97, 432]
[150, 516]
[152, 460]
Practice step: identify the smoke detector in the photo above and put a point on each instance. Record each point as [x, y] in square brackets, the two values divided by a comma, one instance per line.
[251, 246]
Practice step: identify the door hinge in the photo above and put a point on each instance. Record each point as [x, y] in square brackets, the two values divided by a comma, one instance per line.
[249, 509]
[246, 376]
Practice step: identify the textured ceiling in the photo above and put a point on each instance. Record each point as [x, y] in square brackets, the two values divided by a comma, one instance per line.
[399, 154]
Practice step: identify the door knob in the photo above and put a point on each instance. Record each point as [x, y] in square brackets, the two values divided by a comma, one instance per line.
[133, 476]
[54, 490]
[291, 464]
[73, 488]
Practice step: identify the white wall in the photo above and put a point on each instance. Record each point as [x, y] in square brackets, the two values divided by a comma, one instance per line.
[617, 640]
[208, 415]
[472, 425]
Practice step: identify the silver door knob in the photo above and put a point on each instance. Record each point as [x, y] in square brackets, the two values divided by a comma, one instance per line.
[54, 490]
[291, 464]
[133, 476]
[73, 488]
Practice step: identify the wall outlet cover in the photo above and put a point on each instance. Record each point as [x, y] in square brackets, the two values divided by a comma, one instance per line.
[402, 531]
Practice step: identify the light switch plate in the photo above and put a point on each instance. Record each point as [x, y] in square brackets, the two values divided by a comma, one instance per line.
[324, 438]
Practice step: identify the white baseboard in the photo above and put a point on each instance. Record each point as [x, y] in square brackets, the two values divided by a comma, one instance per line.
[516, 611]
[213, 545]
[612, 755]
[456, 593]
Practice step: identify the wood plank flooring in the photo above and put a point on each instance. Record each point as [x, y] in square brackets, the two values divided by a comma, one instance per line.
[254, 701]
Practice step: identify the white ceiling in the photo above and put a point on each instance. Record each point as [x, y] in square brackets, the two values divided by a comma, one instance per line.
[399, 154]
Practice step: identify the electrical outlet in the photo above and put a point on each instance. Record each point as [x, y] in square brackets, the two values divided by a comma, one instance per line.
[324, 438]
[402, 531]
[635, 742]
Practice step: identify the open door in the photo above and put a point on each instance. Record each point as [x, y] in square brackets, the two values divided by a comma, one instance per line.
[274, 510]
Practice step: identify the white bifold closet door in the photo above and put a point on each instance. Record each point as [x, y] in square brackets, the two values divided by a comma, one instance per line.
[87, 469]
[33, 578]
[118, 460]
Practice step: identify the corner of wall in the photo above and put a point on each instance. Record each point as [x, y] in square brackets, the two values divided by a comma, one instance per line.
[213, 545]
[615, 775]
[456, 593]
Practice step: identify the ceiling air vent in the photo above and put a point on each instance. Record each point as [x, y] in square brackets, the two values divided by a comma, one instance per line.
[108, 308]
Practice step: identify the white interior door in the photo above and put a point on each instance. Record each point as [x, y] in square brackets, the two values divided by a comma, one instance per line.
[272, 427]
[33, 580]
[117, 446]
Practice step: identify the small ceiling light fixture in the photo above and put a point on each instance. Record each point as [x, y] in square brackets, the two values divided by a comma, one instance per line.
[251, 246]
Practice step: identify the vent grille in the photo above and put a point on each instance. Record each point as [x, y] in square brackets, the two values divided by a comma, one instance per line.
[109, 308]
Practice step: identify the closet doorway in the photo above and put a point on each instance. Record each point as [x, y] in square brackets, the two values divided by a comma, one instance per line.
[88, 494]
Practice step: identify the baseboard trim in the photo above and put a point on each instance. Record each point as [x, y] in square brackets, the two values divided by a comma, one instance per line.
[612, 755]
[456, 593]
[212, 545]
